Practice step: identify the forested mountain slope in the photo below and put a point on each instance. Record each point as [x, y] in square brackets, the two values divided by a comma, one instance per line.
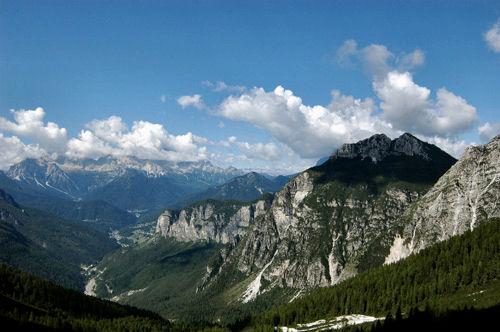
[46, 245]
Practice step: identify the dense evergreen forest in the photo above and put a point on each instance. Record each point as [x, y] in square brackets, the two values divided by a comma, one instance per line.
[31, 303]
[462, 271]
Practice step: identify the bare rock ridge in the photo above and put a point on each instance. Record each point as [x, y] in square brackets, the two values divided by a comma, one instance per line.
[44, 174]
[378, 147]
[464, 197]
[211, 220]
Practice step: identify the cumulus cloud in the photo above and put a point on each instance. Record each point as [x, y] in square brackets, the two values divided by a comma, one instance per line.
[88, 145]
[109, 136]
[411, 60]
[144, 140]
[15, 151]
[492, 37]
[194, 100]
[409, 107]
[29, 123]
[313, 131]
[453, 146]
[310, 131]
[344, 53]
[488, 131]
[376, 59]
[269, 151]
[110, 129]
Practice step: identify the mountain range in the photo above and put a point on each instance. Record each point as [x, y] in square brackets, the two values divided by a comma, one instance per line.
[231, 250]
[108, 178]
[324, 226]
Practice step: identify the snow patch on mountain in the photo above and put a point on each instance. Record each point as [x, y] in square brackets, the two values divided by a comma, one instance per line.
[334, 324]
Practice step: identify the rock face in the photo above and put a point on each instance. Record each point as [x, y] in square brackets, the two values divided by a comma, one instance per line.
[325, 224]
[45, 175]
[466, 196]
[379, 147]
[211, 220]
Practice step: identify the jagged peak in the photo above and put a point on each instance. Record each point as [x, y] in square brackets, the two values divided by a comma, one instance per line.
[372, 147]
[408, 144]
[379, 146]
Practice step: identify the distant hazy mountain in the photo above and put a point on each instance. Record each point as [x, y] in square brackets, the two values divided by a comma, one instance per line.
[45, 177]
[99, 215]
[104, 178]
[46, 245]
[242, 188]
[134, 191]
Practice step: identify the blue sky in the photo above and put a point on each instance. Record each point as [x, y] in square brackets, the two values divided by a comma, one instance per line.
[269, 85]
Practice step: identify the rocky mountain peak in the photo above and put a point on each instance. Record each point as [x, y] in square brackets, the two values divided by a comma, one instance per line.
[374, 147]
[379, 146]
[409, 145]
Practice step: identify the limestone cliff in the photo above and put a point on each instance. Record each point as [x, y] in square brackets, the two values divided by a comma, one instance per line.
[466, 196]
[325, 224]
[211, 220]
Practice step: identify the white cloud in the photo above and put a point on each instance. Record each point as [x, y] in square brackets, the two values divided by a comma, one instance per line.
[453, 114]
[376, 59]
[488, 131]
[88, 145]
[412, 60]
[310, 131]
[15, 151]
[145, 140]
[492, 37]
[453, 146]
[344, 53]
[163, 98]
[110, 136]
[221, 124]
[194, 100]
[29, 123]
[403, 102]
[110, 129]
[409, 107]
[269, 151]
[316, 131]
[222, 86]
